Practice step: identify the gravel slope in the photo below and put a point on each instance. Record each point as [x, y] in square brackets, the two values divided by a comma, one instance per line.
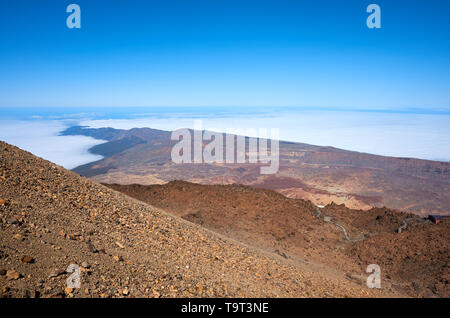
[51, 218]
[334, 238]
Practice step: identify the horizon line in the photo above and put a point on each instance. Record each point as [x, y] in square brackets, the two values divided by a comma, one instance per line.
[407, 110]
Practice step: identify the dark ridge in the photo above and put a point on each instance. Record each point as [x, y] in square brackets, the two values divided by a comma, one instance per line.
[97, 133]
[89, 170]
[116, 146]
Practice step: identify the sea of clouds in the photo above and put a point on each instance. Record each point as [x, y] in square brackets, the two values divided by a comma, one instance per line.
[41, 137]
[424, 136]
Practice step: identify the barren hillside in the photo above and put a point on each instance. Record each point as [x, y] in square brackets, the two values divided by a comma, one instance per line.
[51, 218]
[414, 261]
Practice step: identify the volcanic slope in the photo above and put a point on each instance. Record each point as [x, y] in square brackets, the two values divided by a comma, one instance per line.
[319, 174]
[51, 218]
[334, 238]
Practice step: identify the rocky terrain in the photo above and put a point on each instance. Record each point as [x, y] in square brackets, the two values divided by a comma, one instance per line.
[414, 260]
[319, 174]
[51, 218]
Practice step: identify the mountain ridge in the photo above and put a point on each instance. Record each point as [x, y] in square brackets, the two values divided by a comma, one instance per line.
[319, 174]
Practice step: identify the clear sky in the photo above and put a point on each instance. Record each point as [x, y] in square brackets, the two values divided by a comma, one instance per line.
[226, 53]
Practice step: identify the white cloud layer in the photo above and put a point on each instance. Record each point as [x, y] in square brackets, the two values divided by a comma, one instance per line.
[41, 138]
[422, 136]
[400, 135]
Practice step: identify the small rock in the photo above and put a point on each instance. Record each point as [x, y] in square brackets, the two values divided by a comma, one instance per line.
[156, 294]
[117, 258]
[12, 275]
[28, 259]
[125, 292]
[57, 273]
[68, 290]
[120, 245]
[92, 247]
[85, 265]
[18, 237]
[281, 253]
[12, 220]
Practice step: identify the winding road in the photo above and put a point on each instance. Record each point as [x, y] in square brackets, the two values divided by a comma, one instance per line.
[405, 223]
[329, 219]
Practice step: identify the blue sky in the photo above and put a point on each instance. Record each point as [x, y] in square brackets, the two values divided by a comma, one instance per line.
[226, 53]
